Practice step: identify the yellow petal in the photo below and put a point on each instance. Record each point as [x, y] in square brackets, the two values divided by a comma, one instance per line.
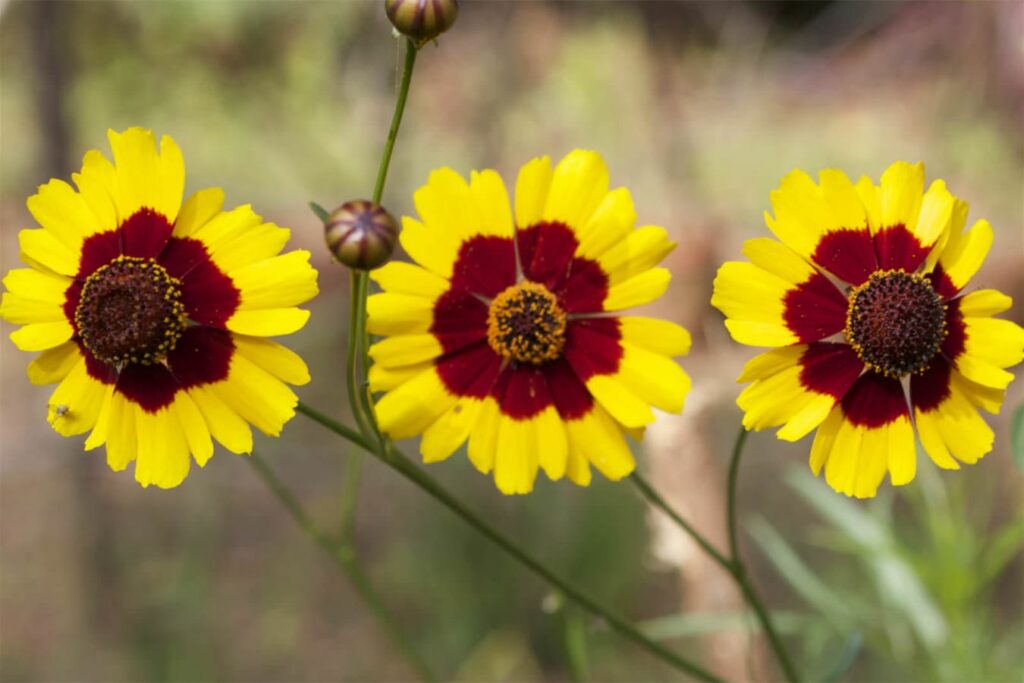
[483, 439]
[659, 336]
[36, 284]
[256, 244]
[256, 396]
[147, 178]
[221, 229]
[198, 210]
[405, 349]
[434, 250]
[193, 426]
[491, 197]
[532, 188]
[611, 222]
[965, 252]
[226, 426]
[278, 360]
[984, 303]
[446, 206]
[41, 249]
[778, 259]
[389, 314]
[995, 341]
[277, 282]
[641, 250]
[268, 322]
[76, 402]
[412, 407]
[64, 214]
[597, 436]
[578, 185]
[121, 434]
[551, 442]
[450, 431]
[163, 456]
[777, 397]
[954, 429]
[753, 300]
[42, 336]
[841, 197]
[625, 406]
[97, 184]
[54, 364]
[653, 378]
[385, 379]
[902, 188]
[636, 291]
[22, 310]
[935, 215]
[399, 277]
[515, 457]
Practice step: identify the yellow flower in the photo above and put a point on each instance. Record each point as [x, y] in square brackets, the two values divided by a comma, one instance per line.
[507, 332]
[152, 315]
[863, 299]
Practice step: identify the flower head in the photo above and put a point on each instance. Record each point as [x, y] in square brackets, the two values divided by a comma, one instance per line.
[152, 315]
[863, 299]
[507, 332]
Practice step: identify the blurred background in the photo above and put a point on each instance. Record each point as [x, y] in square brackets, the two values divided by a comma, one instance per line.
[699, 108]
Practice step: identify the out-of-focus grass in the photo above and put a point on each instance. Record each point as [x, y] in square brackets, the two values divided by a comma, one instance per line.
[699, 110]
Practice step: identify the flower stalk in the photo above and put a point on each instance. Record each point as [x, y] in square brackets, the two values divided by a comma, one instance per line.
[395, 459]
[343, 556]
[733, 563]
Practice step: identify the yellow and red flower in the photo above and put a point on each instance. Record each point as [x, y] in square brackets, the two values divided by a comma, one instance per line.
[863, 298]
[152, 315]
[507, 333]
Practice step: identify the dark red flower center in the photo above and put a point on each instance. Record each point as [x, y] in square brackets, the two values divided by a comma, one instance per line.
[896, 322]
[130, 310]
[526, 324]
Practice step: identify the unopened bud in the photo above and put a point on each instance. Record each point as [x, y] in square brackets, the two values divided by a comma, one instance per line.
[361, 234]
[422, 20]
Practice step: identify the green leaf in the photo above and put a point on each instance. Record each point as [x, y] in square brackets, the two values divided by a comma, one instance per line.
[1017, 436]
[846, 658]
[797, 574]
[320, 211]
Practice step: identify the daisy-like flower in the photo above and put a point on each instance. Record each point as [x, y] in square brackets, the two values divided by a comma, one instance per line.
[152, 315]
[863, 298]
[507, 332]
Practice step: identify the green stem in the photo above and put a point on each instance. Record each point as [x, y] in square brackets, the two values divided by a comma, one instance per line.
[655, 499]
[394, 458]
[396, 119]
[345, 559]
[739, 571]
[730, 505]
[350, 495]
[733, 564]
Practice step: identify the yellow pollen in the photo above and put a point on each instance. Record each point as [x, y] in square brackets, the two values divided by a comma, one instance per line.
[525, 324]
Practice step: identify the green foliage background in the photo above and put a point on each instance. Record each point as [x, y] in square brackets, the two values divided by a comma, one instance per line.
[699, 109]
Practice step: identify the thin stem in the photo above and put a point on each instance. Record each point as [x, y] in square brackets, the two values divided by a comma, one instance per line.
[346, 561]
[739, 571]
[350, 495]
[396, 119]
[335, 426]
[734, 471]
[655, 499]
[393, 457]
[356, 326]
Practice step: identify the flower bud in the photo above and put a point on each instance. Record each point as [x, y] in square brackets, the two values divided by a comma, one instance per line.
[361, 234]
[422, 20]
